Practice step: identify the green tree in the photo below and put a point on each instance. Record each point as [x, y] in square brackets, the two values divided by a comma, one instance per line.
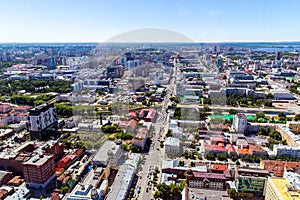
[282, 116]
[232, 112]
[260, 115]
[269, 96]
[169, 133]
[232, 193]
[210, 156]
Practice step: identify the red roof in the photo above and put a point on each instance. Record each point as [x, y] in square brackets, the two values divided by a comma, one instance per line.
[59, 170]
[214, 147]
[220, 167]
[72, 157]
[78, 152]
[217, 139]
[230, 148]
[123, 124]
[65, 159]
[132, 114]
[132, 123]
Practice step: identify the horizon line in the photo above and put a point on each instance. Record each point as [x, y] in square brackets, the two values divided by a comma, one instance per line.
[157, 42]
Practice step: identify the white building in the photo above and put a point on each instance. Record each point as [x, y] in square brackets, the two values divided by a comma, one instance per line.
[285, 150]
[240, 123]
[172, 145]
[109, 152]
[122, 183]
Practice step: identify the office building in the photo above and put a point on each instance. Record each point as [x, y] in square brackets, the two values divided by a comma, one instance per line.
[39, 171]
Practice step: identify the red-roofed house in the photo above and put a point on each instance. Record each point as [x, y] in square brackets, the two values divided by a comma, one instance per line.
[216, 149]
[230, 149]
[148, 115]
[219, 168]
[131, 126]
[123, 124]
[5, 108]
[22, 109]
[277, 167]
[243, 152]
[133, 115]
[257, 150]
[217, 140]
[65, 162]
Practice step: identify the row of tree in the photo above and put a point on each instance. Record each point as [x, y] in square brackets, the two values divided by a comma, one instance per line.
[10, 87]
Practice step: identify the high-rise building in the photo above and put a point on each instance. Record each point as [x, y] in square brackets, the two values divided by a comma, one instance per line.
[240, 123]
[51, 63]
[42, 120]
[278, 55]
[39, 171]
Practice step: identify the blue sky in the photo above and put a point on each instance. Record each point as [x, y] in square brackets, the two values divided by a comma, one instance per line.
[200, 20]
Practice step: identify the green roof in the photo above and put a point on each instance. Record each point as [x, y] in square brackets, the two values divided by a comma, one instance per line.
[226, 116]
[251, 117]
[262, 119]
[217, 116]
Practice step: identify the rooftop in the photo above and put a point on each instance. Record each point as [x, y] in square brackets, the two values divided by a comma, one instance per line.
[38, 159]
[281, 185]
[101, 154]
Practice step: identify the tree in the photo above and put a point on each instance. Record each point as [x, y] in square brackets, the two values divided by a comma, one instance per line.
[282, 116]
[232, 193]
[275, 135]
[297, 117]
[169, 133]
[260, 115]
[181, 163]
[165, 191]
[193, 164]
[232, 112]
[221, 157]
[269, 96]
[264, 131]
[210, 156]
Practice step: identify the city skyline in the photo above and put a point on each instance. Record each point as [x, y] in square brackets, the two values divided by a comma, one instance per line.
[98, 21]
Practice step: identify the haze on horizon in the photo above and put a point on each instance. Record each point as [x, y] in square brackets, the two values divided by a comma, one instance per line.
[99, 21]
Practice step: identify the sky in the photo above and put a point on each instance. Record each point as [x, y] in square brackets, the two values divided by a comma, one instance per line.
[99, 20]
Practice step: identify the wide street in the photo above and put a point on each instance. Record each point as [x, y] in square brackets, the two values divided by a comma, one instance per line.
[156, 153]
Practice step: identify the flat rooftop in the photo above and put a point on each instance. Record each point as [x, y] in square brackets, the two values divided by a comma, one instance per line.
[38, 160]
[281, 184]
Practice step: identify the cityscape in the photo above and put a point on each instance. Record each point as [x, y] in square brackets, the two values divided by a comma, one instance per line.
[172, 113]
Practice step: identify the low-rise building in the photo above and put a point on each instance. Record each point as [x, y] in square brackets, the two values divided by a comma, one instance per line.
[277, 167]
[285, 150]
[140, 138]
[172, 145]
[206, 180]
[109, 152]
[122, 183]
[251, 182]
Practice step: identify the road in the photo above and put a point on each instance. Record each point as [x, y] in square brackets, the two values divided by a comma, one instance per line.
[156, 153]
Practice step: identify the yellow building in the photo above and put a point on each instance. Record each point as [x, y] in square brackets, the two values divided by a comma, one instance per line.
[280, 189]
